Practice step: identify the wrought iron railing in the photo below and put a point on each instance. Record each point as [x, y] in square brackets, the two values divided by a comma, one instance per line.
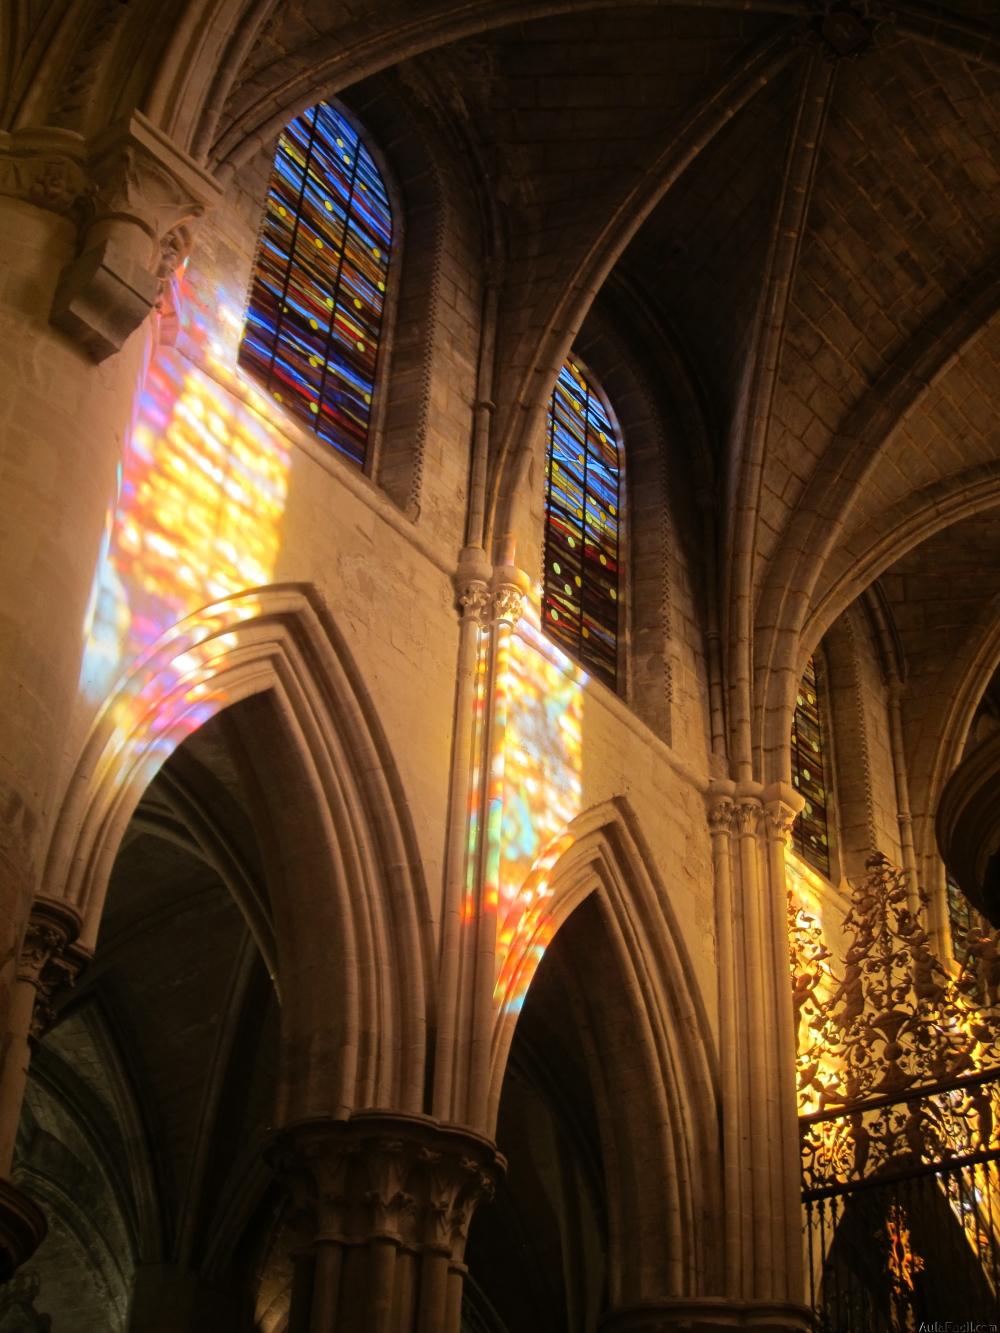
[899, 1087]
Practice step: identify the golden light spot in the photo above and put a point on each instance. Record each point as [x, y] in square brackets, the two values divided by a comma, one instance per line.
[282, 213]
[357, 302]
[555, 615]
[603, 438]
[314, 407]
[377, 253]
[604, 559]
[578, 581]
[319, 244]
[328, 205]
[347, 158]
[614, 594]
[360, 345]
[368, 397]
[329, 303]
[277, 396]
[571, 541]
[314, 360]
[340, 143]
[612, 510]
[313, 324]
[381, 286]
[556, 569]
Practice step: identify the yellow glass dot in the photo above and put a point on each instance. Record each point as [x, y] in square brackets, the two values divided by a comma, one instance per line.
[612, 510]
[329, 303]
[567, 588]
[314, 407]
[578, 581]
[555, 615]
[327, 205]
[377, 253]
[313, 324]
[314, 360]
[381, 286]
[571, 541]
[603, 438]
[340, 143]
[277, 396]
[282, 213]
[319, 244]
[614, 594]
[347, 158]
[357, 302]
[368, 397]
[360, 345]
[556, 569]
[585, 632]
[576, 406]
[604, 559]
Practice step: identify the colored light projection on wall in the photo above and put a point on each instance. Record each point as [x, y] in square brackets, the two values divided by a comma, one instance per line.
[580, 609]
[316, 303]
[541, 795]
[196, 520]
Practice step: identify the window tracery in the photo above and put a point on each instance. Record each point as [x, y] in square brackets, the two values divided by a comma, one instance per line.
[581, 605]
[317, 297]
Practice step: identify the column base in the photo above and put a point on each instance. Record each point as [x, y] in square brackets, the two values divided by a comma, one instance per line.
[705, 1313]
[22, 1229]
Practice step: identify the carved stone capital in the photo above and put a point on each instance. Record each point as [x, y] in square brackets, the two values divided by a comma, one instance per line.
[378, 1176]
[508, 603]
[22, 1228]
[721, 813]
[475, 601]
[141, 198]
[746, 817]
[48, 960]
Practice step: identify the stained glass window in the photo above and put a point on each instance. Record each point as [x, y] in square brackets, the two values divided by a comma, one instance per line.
[580, 608]
[962, 917]
[810, 832]
[316, 303]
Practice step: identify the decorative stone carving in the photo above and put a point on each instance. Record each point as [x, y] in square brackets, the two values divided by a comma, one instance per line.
[379, 1176]
[141, 196]
[508, 603]
[47, 960]
[47, 168]
[475, 601]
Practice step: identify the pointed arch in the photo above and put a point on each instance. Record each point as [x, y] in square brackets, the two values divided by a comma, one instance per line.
[663, 1077]
[350, 913]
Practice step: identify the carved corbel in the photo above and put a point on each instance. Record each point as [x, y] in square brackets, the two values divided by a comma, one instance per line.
[142, 200]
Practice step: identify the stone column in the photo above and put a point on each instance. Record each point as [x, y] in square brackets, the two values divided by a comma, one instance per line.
[389, 1199]
[761, 1232]
[43, 967]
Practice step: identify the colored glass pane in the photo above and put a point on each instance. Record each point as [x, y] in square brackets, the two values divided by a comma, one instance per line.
[318, 293]
[810, 832]
[962, 918]
[580, 606]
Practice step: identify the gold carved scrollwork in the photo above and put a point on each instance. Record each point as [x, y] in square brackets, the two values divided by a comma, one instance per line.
[895, 1064]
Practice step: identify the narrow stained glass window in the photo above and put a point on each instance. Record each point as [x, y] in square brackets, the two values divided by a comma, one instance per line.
[580, 608]
[810, 832]
[316, 303]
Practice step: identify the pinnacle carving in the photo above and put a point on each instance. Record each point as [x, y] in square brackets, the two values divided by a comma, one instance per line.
[46, 960]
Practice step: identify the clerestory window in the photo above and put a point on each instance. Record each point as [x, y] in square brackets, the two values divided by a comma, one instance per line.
[582, 601]
[811, 830]
[317, 298]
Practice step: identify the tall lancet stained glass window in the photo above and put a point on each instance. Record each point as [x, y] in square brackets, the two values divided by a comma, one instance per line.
[318, 295]
[580, 607]
[811, 831]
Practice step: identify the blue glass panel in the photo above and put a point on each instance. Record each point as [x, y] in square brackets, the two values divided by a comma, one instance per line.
[318, 294]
